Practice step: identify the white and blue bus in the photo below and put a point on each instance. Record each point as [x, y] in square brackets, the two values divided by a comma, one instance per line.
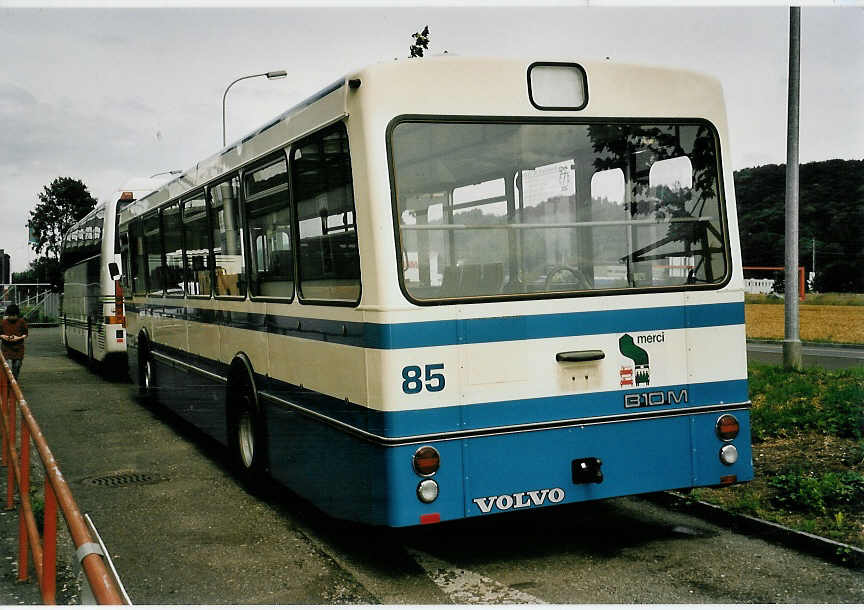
[91, 318]
[415, 298]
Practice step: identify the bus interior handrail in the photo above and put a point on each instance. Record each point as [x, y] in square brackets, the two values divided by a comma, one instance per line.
[557, 225]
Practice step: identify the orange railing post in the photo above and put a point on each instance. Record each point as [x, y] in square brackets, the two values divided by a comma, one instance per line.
[23, 490]
[57, 493]
[49, 552]
[3, 409]
[9, 416]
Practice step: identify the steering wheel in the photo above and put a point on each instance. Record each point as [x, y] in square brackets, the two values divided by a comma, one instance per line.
[578, 278]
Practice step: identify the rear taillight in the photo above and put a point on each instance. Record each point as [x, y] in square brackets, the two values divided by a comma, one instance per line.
[426, 461]
[727, 427]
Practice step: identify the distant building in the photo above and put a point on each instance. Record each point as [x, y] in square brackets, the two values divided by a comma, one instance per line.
[5, 268]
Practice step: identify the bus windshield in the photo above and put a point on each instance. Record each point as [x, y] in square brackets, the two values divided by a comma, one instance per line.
[503, 209]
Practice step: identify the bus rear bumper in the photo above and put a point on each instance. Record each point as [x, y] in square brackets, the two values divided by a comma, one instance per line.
[503, 473]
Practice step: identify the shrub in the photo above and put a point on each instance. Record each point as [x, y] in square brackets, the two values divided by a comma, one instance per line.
[788, 402]
[809, 492]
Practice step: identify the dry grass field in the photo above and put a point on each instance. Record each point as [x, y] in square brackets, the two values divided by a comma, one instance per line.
[831, 323]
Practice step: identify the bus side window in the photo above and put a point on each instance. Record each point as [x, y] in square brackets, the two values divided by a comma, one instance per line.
[268, 215]
[227, 239]
[125, 260]
[172, 240]
[196, 246]
[329, 261]
[153, 248]
[138, 258]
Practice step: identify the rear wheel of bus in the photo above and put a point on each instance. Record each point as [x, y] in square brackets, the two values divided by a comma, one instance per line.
[247, 435]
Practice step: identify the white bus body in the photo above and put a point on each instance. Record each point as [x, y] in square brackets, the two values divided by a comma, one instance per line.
[90, 323]
[534, 273]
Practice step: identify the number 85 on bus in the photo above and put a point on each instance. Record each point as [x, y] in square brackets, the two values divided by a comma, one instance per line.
[429, 378]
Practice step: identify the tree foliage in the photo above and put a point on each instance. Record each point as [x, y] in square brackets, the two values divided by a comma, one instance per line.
[41, 271]
[831, 210]
[62, 203]
[421, 42]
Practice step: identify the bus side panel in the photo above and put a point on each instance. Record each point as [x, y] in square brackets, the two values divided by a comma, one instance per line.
[132, 348]
[93, 311]
[198, 399]
[340, 474]
[74, 287]
[195, 398]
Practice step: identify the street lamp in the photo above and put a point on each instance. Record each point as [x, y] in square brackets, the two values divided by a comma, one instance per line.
[269, 75]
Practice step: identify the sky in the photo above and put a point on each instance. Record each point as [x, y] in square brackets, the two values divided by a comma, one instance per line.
[106, 93]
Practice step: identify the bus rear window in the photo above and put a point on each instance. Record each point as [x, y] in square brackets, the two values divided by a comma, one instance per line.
[507, 209]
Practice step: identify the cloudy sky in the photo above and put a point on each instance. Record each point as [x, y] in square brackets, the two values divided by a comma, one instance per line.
[103, 94]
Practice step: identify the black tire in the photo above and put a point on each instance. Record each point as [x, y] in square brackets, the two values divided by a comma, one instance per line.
[69, 351]
[247, 438]
[146, 373]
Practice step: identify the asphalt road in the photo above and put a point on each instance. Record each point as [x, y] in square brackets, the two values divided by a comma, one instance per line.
[187, 533]
[814, 354]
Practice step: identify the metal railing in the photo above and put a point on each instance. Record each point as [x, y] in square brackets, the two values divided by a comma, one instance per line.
[16, 458]
[32, 298]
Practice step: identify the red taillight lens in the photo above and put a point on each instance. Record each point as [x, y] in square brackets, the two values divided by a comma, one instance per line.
[727, 427]
[426, 461]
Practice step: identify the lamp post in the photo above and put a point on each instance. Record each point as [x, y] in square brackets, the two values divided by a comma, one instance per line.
[270, 76]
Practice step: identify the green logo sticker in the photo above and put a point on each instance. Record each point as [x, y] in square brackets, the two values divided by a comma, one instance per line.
[639, 373]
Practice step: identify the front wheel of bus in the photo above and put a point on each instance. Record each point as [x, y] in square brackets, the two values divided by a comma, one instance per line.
[146, 372]
[147, 382]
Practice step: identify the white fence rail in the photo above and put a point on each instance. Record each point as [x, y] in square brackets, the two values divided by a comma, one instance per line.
[35, 300]
[758, 286]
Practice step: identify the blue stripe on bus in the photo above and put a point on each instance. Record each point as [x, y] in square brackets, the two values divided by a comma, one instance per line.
[453, 418]
[395, 424]
[459, 332]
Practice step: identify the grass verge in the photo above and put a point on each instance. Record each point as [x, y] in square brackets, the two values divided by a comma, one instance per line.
[827, 298]
[808, 453]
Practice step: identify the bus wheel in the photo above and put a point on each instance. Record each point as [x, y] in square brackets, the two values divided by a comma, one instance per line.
[147, 381]
[146, 373]
[69, 351]
[149, 378]
[247, 438]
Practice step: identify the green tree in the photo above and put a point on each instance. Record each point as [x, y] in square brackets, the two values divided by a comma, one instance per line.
[62, 203]
[831, 198]
[42, 270]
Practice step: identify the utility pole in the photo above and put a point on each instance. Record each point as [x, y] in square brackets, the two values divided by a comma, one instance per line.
[792, 341]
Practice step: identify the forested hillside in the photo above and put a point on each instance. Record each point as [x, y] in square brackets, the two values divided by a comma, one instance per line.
[831, 203]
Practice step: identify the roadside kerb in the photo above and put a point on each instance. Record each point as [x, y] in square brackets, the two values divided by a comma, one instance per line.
[807, 343]
[57, 492]
[836, 552]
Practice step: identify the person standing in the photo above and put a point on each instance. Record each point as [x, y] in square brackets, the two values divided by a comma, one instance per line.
[13, 331]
